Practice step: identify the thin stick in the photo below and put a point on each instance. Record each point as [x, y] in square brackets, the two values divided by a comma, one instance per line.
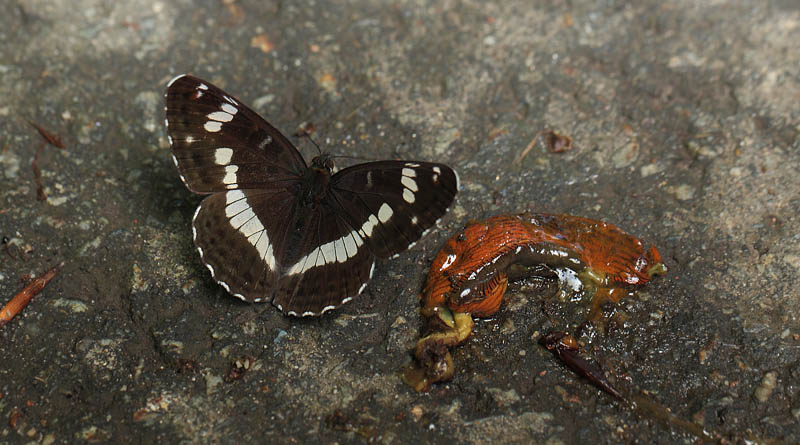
[37, 175]
[528, 148]
[51, 138]
[22, 299]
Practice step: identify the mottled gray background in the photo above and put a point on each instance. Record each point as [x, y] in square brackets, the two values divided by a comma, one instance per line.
[685, 120]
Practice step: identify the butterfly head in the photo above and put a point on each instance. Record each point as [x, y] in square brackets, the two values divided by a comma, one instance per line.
[323, 162]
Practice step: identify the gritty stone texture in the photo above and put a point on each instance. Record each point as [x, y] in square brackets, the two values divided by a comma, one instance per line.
[684, 122]
[764, 391]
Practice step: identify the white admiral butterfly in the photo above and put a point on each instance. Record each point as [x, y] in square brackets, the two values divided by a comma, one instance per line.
[274, 228]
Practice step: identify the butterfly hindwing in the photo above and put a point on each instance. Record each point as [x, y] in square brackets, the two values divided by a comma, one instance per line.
[242, 242]
[331, 268]
[220, 144]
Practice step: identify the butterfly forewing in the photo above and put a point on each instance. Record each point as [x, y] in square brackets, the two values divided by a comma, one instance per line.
[392, 203]
[220, 144]
[277, 230]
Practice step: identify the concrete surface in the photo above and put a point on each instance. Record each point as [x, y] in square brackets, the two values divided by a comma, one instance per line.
[685, 120]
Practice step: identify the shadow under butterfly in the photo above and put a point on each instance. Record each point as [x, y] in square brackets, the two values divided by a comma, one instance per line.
[276, 229]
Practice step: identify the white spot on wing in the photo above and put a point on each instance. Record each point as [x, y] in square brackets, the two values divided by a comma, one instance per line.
[437, 170]
[338, 250]
[385, 212]
[230, 174]
[212, 126]
[341, 250]
[234, 195]
[251, 227]
[230, 109]
[220, 116]
[328, 251]
[267, 140]
[202, 86]
[264, 248]
[410, 183]
[222, 156]
[408, 196]
[239, 220]
[368, 225]
[350, 244]
[409, 173]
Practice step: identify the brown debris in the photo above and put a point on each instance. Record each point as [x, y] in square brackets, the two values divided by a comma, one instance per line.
[528, 148]
[262, 42]
[7, 242]
[51, 138]
[13, 419]
[238, 369]
[37, 175]
[557, 143]
[305, 129]
[565, 348]
[13, 307]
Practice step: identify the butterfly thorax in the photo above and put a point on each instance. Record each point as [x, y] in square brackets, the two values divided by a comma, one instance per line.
[316, 179]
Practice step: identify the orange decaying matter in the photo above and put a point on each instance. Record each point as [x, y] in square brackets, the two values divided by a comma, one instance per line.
[608, 253]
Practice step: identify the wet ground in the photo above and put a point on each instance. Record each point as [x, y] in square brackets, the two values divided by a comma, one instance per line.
[685, 123]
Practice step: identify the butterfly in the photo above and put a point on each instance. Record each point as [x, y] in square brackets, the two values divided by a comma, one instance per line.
[274, 228]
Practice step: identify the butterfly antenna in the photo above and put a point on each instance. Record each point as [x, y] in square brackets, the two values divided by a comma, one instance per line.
[357, 158]
[314, 142]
